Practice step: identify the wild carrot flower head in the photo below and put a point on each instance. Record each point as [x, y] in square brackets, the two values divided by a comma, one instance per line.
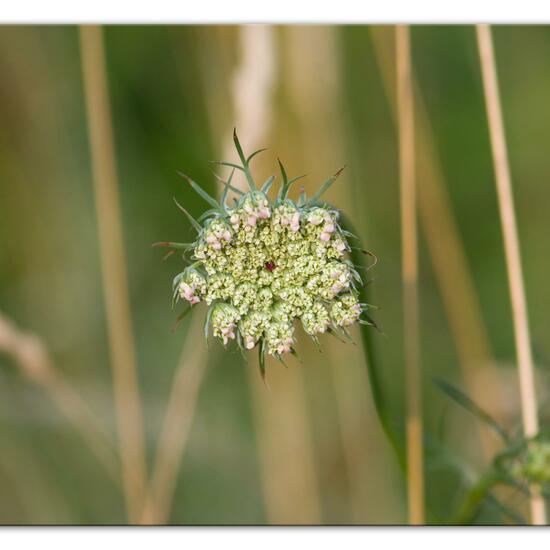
[262, 266]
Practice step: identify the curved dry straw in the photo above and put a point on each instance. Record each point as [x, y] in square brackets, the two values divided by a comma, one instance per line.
[33, 358]
[121, 342]
[511, 248]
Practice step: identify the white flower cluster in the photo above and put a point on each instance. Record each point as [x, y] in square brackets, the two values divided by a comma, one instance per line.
[261, 266]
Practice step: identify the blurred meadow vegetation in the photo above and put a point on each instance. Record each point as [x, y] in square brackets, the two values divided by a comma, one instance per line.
[308, 448]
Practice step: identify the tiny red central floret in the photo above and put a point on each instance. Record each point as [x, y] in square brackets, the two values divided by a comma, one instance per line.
[270, 266]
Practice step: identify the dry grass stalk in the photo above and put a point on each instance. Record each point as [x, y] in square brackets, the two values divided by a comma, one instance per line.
[405, 108]
[123, 360]
[446, 251]
[177, 425]
[511, 247]
[32, 356]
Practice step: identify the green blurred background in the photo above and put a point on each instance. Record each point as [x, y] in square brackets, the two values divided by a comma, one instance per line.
[174, 98]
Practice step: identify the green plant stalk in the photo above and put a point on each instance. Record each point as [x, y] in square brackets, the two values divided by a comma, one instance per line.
[380, 402]
[472, 501]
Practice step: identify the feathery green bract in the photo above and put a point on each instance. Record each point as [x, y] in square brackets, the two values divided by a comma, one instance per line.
[267, 185]
[250, 157]
[227, 187]
[285, 187]
[210, 200]
[244, 160]
[464, 401]
[230, 164]
[178, 246]
[194, 222]
[325, 186]
[261, 359]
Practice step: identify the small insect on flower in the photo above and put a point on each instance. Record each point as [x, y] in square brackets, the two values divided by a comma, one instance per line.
[261, 265]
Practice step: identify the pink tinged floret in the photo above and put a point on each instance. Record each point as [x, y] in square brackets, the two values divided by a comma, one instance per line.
[217, 245]
[211, 239]
[315, 219]
[234, 219]
[340, 246]
[325, 237]
[336, 288]
[295, 222]
[329, 228]
[188, 292]
[263, 212]
[226, 236]
[228, 333]
[285, 346]
[249, 342]
[251, 221]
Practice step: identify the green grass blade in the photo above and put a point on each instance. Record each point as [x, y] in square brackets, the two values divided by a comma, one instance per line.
[380, 402]
[464, 401]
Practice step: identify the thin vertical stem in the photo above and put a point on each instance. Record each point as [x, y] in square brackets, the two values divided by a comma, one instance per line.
[121, 342]
[415, 475]
[445, 249]
[511, 247]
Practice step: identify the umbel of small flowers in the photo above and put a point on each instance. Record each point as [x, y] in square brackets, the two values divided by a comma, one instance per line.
[262, 266]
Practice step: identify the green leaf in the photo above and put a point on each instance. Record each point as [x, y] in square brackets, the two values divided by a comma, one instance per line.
[210, 200]
[194, 222]
[325, 186]
[464, 401]
[380, 401]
